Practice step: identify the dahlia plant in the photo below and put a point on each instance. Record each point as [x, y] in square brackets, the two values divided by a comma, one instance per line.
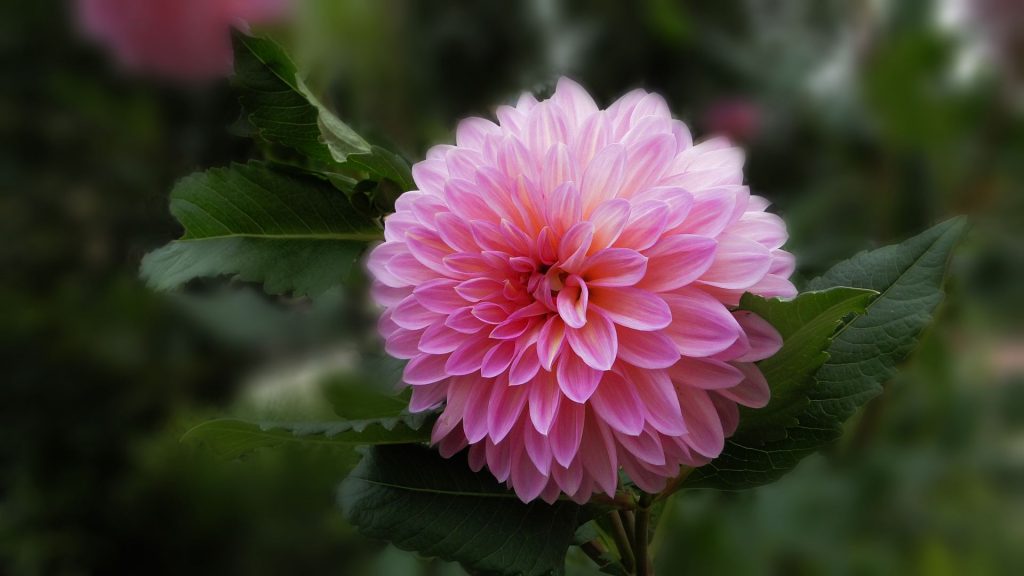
[592, 310]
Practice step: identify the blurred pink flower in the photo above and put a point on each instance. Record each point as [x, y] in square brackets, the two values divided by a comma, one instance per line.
[185, 40]
[562, 282]
[736, 118]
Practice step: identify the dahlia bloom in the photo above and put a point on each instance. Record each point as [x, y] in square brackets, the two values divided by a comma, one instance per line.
[179, 39]
[562, 282]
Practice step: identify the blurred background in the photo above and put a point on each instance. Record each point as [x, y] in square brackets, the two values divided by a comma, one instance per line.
[865, 121]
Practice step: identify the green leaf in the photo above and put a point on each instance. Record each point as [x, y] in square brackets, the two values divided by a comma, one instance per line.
[420, 501]
[232, 438]
[283, 111]
[806, 324]
[863, 355]
[289, 232]
[354, 399]
[910, 277]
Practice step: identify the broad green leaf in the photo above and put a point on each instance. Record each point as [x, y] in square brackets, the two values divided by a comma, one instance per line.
[289, 232]
[420, 501]
[354, 399]
[231, 438]
[806, 324]
[282, 110]
[863, 355]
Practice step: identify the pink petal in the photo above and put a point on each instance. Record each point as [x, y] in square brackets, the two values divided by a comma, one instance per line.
[451, 418]
[677, 261]
[773, 286]
[592, 138]
[549, 341]
[659, 398]
[455, 232]
[572, 302]
[471, 132]
[609, 220]
[469, 356]
[440, 339]
[499, 459]
[761, 227]
[701, 325]
[646, 162]
[614, 267]
[647, 221]
[644, 446]
[386, 295]
[439, 296]
[404, 344]
[526, 480]
[603, 177]
[704, 429]
[490, 312]
[544, 399]
[567, 432]
[651, 105]
[463, 198]
[783, 263]
[377, 263]
[646, 349]
[425, 369]
[538, 449]
[574, 245]
[739, 263]
[428, 396]
[412, 315]
[463, 320]
[705, 373]
[597, 453]
[679, 201]
[475, 412]
[545, 128]
[574, 100]
[504, 408]
[595, 342]
[478, 289]
[633, 307]
[753, 391]
[763, 338]
[712, 211]
[728, 413]
[564, 207]
[466, 265]
[577, 380]
[525, 366]
[409, 270]
[498, 359]
[569, 478]
[557, 169]
[616, 402]
[462, 163]
[451, 445]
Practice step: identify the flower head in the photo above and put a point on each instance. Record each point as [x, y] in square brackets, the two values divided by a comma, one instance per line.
[178, 39]
[561, 282]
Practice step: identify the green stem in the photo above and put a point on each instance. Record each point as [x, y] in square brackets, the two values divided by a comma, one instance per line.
[594, 552]
[640, 542]
[622, 542]
[629, 521]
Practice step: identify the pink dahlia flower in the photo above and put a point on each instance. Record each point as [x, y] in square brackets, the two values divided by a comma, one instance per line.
[562, 283]
[180, 39]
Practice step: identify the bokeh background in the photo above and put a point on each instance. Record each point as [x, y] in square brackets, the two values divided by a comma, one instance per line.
[865, 121]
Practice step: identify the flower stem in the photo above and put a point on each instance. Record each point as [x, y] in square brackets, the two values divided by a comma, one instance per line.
[594, 552]
[622, 542]
[640, 536]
